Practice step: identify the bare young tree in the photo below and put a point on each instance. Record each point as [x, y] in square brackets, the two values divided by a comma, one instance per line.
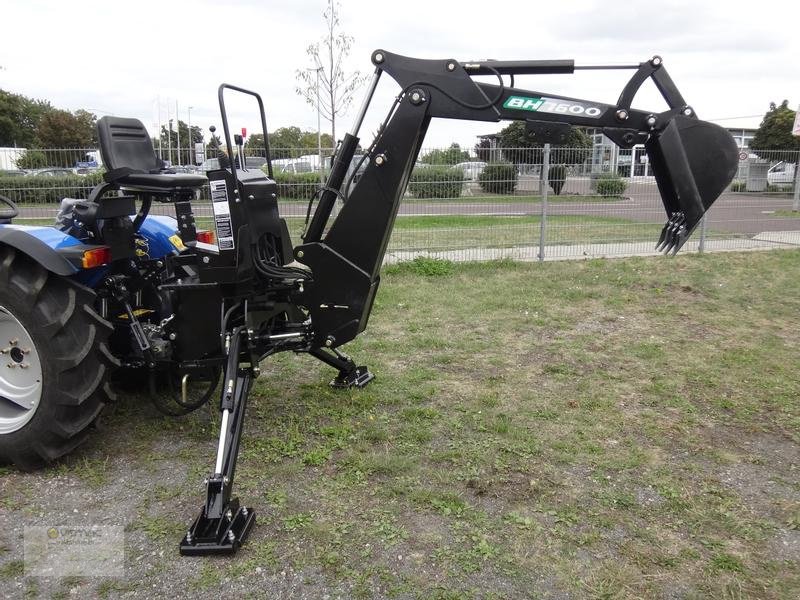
[336, 88]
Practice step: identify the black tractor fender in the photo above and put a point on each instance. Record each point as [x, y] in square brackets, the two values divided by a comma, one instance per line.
[51, 259]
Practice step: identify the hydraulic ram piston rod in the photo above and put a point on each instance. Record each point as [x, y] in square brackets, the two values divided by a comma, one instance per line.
[223, 437]
[362, 112]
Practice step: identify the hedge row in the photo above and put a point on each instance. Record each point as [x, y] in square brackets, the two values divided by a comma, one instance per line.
[498, 178]
[297, 186]
[609, 185]
[557, 177]
[51, 190]
[48, 190]
[426, 182]
[436, 182]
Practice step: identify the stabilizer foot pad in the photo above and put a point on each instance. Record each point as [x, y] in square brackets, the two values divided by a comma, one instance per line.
[358, 377]
[218, 536]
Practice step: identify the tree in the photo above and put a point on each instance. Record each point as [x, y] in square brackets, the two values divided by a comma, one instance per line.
[71, 134]
[775, 133]
[213, 146]
[32, 159]
[450, 156]
[62, 129]
[336, 87]
[169, 143]
[519, 149]
[283, 141]
[483, 149]
[309, 140]
[289, 142]
[19, 119]
[254, 146]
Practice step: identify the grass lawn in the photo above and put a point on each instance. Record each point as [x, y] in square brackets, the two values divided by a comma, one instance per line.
[466, 231]
[480, 197]
[450, 232]
[598, 429]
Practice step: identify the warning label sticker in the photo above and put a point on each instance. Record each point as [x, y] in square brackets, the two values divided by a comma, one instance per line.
[222, 214]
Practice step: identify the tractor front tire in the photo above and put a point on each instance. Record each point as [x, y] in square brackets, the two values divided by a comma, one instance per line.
[54, 362]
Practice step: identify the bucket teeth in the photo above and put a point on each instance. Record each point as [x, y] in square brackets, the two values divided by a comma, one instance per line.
[663, 237]
[673, 235]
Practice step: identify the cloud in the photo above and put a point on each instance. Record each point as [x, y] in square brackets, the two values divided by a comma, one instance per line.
[727, 58]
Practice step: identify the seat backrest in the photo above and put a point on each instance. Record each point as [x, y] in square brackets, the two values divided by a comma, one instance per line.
[126, 143]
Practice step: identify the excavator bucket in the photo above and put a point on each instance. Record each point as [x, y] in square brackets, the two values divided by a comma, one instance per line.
[693, 162]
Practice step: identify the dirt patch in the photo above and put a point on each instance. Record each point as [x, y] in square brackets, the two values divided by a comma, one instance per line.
[786, 545]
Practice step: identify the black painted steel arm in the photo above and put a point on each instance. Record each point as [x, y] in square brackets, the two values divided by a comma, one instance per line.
[693, 161]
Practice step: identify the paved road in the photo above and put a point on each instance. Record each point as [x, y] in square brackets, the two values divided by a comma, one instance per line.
[735, 213]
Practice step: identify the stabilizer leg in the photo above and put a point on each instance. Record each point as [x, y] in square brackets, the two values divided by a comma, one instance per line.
[223, 525]
[350, 375]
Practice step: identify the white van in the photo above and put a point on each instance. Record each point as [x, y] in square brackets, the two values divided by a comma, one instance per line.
[781, 174]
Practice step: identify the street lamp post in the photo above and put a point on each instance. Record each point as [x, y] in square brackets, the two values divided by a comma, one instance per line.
[178, 119]
[191, 139]
[169, 142]
[160, 151]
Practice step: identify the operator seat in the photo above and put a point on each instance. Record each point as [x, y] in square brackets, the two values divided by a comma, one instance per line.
[133, 165]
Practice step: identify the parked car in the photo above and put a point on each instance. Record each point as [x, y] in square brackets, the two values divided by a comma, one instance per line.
[86, 170]
[471, 169]
[252, 162]
[357, 165]
[255, 162]
[297, 166]
[781, 174]
[210, 164]
[183, 169]
[51, 172]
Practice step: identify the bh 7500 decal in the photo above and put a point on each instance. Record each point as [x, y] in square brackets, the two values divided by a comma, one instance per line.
[551, 105]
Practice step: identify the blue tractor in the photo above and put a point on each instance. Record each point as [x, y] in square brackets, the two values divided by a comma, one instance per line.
[80, 302]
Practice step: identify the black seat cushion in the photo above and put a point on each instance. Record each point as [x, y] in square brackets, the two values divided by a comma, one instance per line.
[125, 145]
[162, 182]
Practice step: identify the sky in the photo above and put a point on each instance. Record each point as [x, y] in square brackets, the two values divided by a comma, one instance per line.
[728, 58]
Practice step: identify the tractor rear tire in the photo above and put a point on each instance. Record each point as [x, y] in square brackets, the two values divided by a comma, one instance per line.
[54, 362]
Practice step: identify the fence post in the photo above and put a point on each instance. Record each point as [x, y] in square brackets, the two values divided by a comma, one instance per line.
[796, 201]
[702, 246]
[544, 187]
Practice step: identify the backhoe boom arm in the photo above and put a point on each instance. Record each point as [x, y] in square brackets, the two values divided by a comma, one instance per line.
[692, 160]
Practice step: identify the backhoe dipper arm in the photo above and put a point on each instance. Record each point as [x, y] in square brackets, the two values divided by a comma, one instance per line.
[692, 160]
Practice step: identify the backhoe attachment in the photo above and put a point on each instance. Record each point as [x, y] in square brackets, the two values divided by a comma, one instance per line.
[271, 304]
[692, 160]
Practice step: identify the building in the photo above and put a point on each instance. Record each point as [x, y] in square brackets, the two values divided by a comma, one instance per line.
[9, 157]
[742, 136]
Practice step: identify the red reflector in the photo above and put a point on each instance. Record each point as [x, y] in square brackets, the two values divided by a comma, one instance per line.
[96, 257]
[206, 237]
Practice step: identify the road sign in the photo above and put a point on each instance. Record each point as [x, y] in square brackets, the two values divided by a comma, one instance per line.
[743, 155]
[796, 127]
[199, 153]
